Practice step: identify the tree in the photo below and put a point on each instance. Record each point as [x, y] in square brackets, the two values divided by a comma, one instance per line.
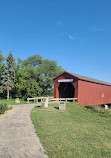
[35, 77]
[33, 61]
[19, 64]
[48, 70]
[1, 57]
[28, 78]
[26, 83]
[8, 75]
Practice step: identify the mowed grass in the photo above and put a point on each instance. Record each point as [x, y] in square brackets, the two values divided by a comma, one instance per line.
[12, 101]
[73, 133]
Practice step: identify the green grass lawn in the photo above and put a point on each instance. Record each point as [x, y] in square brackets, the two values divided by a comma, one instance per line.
[73, 133]
[12, 101]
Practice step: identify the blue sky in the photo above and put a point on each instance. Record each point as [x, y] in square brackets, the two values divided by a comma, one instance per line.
[75, 33]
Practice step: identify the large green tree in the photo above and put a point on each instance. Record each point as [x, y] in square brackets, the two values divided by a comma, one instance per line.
[26, 83]
[48, 69]
[35, 77]
[33, 61]
[29, 78]
[8, 75]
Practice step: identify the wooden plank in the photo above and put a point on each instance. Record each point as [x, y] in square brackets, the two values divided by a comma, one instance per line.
[51, 99]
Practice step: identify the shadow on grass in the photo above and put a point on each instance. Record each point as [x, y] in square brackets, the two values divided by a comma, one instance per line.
[38, 106]
[56, 107]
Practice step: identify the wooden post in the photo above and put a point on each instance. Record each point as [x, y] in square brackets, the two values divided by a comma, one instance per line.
[106, 106]
[28, 100]
[37, 100]
[49, 100]
[65, 99]
[73, 99]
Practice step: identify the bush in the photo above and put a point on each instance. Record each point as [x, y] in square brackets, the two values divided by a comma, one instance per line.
[17, 99]
[99, 109]
[3, 108]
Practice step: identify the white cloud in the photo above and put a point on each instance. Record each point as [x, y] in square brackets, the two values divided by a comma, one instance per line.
[70, 37]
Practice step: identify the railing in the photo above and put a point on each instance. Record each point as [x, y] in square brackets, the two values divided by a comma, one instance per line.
[63, 99]
[51, 99]
[36, 99]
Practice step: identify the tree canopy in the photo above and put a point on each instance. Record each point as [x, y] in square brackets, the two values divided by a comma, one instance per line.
[31, 77]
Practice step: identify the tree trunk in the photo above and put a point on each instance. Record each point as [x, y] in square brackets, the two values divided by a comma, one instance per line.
[8, 93]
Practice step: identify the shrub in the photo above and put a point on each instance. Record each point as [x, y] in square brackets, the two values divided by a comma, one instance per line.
[3, 108]
[17, 99]
[99, 109]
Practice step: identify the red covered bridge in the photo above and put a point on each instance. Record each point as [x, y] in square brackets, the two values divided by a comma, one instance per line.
[89, 91]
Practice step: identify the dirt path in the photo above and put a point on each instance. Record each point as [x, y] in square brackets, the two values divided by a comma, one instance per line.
[17, 135]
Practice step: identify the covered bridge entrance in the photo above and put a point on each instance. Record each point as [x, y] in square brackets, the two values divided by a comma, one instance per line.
[66, 90]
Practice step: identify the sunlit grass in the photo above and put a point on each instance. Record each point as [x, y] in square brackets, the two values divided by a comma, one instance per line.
[73, 133]
[12, 101]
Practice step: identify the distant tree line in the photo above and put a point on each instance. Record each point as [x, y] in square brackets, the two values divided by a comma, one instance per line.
[27, 78]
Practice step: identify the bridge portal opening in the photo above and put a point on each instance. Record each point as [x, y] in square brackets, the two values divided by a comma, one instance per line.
[66, 90]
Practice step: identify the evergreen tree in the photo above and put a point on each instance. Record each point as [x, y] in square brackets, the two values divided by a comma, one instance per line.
[8, 75]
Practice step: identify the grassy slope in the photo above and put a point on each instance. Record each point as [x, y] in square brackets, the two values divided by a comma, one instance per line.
[73, 133]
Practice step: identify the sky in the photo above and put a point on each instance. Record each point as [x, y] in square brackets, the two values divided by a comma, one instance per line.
[75, 33]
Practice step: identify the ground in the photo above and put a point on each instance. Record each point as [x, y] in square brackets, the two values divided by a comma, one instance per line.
[17, 135]
[12, 101]
[73, 133]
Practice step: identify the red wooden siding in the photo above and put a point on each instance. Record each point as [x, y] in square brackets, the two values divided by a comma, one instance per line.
[91, 93]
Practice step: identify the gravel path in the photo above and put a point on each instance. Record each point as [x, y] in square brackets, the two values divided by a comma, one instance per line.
[17, 135]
